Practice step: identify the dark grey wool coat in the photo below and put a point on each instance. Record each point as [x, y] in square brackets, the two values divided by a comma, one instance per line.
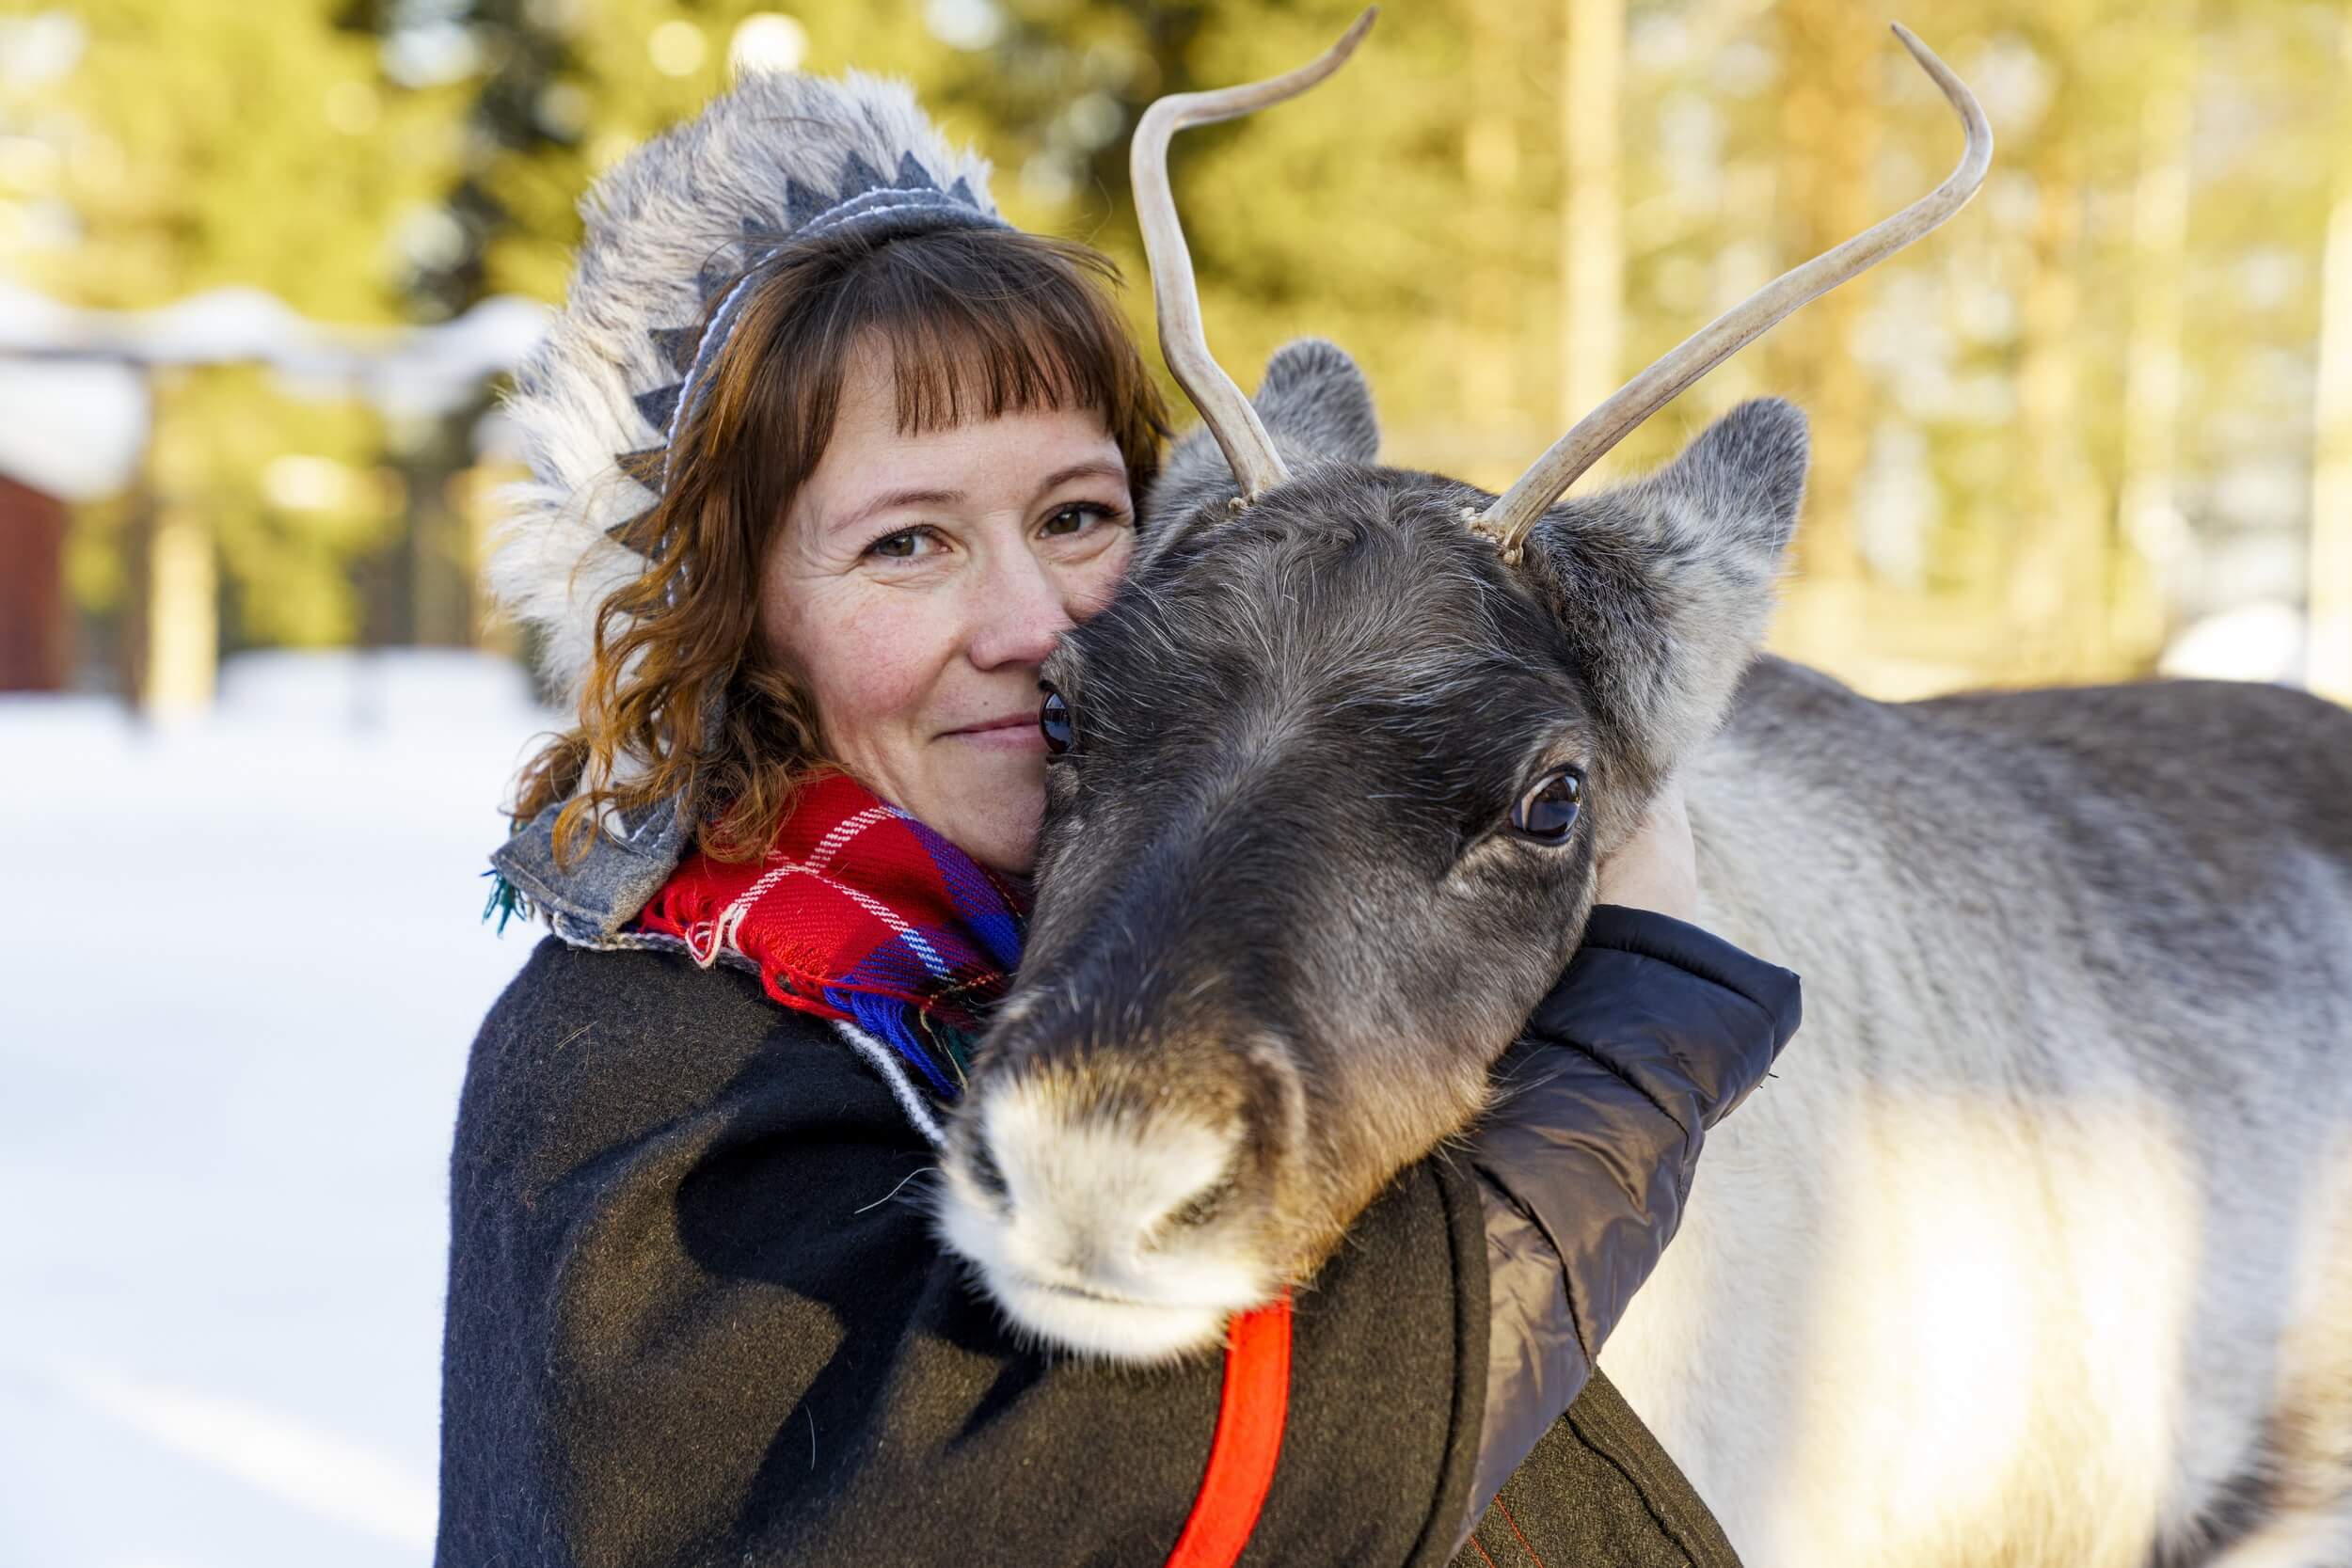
[696, 1315]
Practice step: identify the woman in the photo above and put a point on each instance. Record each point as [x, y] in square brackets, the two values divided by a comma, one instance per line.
[879, 462]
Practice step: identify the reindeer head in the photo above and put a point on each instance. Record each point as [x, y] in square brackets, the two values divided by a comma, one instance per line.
[1338, 764]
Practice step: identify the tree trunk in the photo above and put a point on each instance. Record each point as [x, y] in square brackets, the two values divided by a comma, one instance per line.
[184, 615]
[2329, 662]
[2058, 601]
[1592, 232]
[1744, 262]
[1832, 63]
[1491, 166]
[2151, 537]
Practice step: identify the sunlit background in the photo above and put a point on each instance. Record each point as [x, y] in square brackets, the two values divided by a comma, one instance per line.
[263, 263]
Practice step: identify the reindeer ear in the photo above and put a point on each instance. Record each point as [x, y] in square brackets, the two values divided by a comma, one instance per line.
[1317, 404]
[1314, 403]
[1664, 586]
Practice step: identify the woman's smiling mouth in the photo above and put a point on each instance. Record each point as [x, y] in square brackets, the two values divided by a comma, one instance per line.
[1013, 732]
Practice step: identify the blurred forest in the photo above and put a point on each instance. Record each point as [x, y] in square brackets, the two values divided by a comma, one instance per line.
[2104, 413]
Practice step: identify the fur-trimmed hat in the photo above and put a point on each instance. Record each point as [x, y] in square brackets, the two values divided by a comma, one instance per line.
[779, 158]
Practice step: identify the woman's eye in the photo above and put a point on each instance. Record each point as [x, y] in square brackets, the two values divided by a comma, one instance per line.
[1550, 807]
[901, 545]
[1076, 517]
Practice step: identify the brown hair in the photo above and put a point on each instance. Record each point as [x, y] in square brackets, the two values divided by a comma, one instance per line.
[978, 324]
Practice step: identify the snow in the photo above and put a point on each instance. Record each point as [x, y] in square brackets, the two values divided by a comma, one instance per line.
[236, 322]
[63, 369]
[74, 429]
[2260, 640]
[243, 968]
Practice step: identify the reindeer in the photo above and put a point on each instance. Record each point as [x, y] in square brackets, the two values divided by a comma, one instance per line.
[2039, 1249]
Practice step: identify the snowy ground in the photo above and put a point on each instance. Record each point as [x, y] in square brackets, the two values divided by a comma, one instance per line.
[242, 967]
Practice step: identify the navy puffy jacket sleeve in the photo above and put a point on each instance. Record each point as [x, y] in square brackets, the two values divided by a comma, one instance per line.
[1655, 1031]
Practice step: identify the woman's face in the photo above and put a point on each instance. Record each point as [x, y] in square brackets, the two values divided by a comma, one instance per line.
[920, 581]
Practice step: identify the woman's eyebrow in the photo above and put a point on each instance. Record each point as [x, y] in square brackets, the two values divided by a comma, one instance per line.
[891, 500]
[1095, 468]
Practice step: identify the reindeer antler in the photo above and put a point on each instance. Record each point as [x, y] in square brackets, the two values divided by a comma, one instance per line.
[1223, 409]
[1507, 521]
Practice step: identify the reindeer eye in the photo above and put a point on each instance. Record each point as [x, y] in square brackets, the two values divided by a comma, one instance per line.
[1054, 719]
[1546, 811]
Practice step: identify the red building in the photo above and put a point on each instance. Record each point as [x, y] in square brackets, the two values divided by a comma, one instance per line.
[36, 623]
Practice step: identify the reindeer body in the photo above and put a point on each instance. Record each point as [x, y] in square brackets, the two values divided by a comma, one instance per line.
[2038, 1252]
[2039, 1247]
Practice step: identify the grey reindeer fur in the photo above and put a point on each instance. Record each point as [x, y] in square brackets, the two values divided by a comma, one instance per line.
[2039, 1249]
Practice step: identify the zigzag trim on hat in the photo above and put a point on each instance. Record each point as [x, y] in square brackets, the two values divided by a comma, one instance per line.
[866, 202]
[782, 157]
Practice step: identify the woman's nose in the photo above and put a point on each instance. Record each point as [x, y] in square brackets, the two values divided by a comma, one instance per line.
[1021, 609]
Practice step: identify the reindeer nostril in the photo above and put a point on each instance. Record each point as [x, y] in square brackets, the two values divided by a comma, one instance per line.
[1202, 1208]
[986, 1173]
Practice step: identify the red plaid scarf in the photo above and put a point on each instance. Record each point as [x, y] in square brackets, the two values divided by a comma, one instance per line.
[859, 912]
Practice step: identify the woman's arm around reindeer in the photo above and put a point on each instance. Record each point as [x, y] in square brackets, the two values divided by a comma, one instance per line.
[1654, 1034]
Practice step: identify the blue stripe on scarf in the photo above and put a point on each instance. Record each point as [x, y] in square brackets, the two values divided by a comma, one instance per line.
[978, 903]
[888, 1018]
[981, 914]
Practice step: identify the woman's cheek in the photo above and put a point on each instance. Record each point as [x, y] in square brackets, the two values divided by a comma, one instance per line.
[1098, 578]
[880, 662]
